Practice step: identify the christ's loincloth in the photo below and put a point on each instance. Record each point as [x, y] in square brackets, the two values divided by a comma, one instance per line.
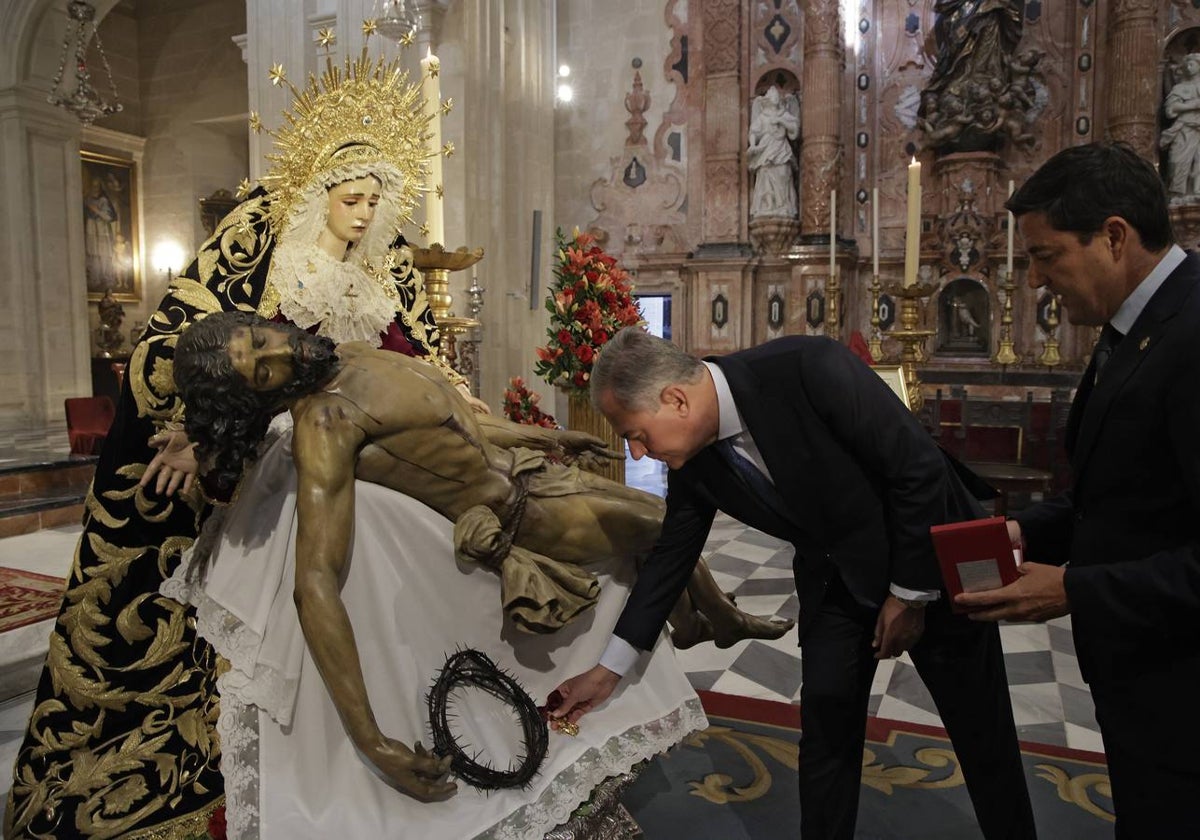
[538, 593]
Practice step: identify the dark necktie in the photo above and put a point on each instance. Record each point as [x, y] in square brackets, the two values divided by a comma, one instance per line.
[747, 471]
[1105, 345]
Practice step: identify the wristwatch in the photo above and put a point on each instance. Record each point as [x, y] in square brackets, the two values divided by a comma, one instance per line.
[912, 603]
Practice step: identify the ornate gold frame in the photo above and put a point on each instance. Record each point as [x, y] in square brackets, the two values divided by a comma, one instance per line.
[107, 169]
[893, 375]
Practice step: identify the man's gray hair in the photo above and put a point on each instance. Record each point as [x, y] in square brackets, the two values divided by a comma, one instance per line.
[635, 367]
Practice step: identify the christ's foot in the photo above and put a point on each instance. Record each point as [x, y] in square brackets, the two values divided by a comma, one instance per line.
[741, 625]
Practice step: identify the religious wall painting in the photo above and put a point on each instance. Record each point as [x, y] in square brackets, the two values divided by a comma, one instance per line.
[111, 243]
[964, 318]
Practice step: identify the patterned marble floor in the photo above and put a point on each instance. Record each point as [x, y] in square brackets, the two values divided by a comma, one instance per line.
[1051, 702]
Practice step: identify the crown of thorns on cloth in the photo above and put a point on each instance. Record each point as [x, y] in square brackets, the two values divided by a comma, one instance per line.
[471, 668]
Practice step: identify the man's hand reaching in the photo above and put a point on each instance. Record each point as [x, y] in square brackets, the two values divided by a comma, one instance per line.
[579, 695]
[418, 772]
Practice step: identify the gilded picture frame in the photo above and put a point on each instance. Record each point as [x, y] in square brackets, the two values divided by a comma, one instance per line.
[893, 375]
[111, 228]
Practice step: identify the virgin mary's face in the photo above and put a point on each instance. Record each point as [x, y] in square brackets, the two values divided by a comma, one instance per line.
[351, 208]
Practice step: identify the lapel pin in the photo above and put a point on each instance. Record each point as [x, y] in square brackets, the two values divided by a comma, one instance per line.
[1144, 343]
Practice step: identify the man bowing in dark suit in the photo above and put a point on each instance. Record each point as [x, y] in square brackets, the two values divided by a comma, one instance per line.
[1120, 551]
[800, 439]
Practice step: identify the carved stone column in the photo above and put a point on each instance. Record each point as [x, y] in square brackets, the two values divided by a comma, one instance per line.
[724, 166]
[1133, 94]
[821, 112]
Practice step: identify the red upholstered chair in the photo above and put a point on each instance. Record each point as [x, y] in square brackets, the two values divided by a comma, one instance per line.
[88, 420]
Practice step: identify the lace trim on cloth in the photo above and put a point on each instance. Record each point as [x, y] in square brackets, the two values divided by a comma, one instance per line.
[241, 693]
[347, 302]
[574, 784]
[238, 727]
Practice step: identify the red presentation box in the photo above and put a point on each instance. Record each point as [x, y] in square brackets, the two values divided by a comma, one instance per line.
[975, 556]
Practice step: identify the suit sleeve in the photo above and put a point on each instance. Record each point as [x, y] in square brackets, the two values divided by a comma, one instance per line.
[881, 434]
[1046, 529]
[665, 573]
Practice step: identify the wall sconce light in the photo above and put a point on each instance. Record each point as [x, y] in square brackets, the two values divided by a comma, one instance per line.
[167, 257]
[565, 92]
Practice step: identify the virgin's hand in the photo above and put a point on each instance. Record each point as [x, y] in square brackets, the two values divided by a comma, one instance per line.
[419, 773]
[478, 405]
[589, 448]
[897, 629]
[175, 465]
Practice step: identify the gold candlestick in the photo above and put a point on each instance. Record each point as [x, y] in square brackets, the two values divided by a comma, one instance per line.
[833, 317]
[912, 340]
[875, 345]
[436, 263]
[1050, 356]
[1005, 354]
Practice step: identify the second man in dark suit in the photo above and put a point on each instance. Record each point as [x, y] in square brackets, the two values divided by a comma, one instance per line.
[801, 440]
[1120, 551]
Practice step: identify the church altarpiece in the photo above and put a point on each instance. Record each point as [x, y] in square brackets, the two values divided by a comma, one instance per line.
[979, 94]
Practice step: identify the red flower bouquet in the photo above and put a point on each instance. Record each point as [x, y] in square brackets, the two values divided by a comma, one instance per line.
[521, 405]
[590, 299]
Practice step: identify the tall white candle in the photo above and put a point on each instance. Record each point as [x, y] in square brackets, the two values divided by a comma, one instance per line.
[431, 89]
[833, 233]
[1012, 221]
[912, 233]
[875, 231]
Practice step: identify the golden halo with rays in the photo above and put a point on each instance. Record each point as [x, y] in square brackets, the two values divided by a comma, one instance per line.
[359, 112]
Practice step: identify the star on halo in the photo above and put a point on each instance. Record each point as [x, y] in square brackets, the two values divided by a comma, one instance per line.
[327, 37]
[243, 189]
[424, 230]
[370, 27]
[438, 192]
[406, 40]
[448, 150]
[277, 74]
[447, 106]
[256, 122]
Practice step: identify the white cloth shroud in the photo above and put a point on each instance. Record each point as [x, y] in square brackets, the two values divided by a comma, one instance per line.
[411, 604]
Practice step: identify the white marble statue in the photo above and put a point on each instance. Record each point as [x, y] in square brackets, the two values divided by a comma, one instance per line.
[774, 125]
[1181, 139]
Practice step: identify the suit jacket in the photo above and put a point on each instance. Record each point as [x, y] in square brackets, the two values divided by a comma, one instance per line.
[860, 481]
[1130, 525]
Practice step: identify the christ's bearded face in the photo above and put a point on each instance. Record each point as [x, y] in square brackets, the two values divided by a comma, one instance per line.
[281, 358]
